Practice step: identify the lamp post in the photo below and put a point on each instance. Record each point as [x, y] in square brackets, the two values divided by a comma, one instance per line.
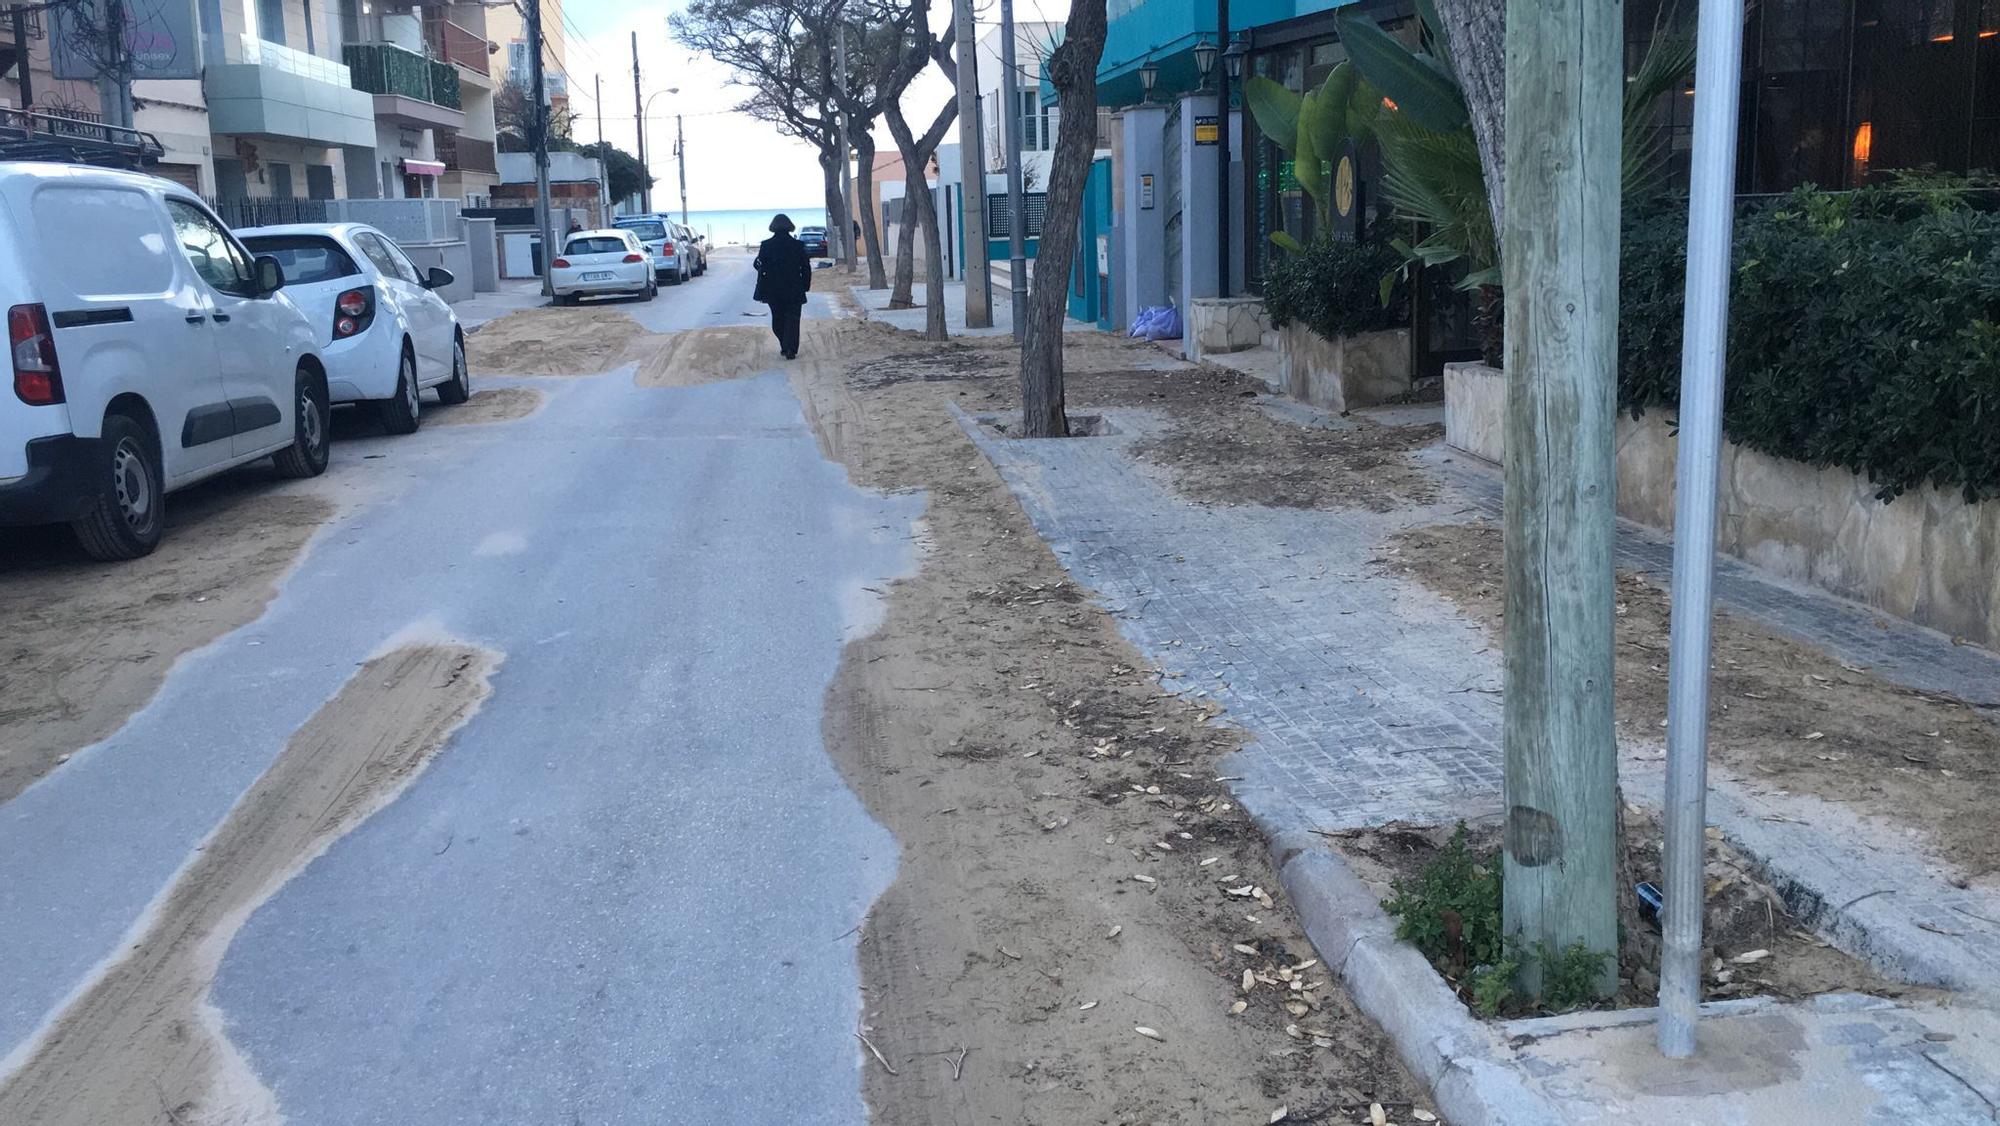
[1221, 151]
[1204, 59]
[1149, 75]
[644, 167]
[1232, 73]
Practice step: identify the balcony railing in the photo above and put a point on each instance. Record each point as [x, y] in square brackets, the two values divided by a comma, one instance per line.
[258, 52]
[380, 68]
[465, 154]
[452, 43]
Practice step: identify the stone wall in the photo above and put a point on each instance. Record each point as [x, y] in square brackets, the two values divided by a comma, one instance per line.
[1340, 375]
[1928, 556]
[1217, 326]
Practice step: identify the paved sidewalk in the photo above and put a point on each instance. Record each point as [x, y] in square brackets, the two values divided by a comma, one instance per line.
[1371, 699]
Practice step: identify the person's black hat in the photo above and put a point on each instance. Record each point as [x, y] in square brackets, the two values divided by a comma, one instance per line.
[781, 223]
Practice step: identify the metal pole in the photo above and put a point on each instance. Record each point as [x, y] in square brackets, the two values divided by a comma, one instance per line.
[681, 154]
[846, 233]
[1704, 343]
[604, 155]
[972, 173]
[20, 15]
[1017, 208]
[639, 122]
[538, 91]
[1222, 271]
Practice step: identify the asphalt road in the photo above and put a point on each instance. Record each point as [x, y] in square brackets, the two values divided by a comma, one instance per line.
[625, 893]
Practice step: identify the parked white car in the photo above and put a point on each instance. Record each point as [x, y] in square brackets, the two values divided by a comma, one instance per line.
[382, 330]
[148, 350]
[672, 264]
[599, 262]
[697, 249]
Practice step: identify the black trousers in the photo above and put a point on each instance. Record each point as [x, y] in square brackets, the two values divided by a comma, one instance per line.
[785, 326]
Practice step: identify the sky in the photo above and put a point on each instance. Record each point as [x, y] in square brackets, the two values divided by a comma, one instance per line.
[734, 161]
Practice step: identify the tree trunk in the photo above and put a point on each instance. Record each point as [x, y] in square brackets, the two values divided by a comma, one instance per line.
[1072, 68]
[836, 205]
[927, 218]
[864, 195]
[1476, 32]
[913, 183]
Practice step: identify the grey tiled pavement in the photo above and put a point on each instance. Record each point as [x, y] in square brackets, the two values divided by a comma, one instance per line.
[1359, 717]
[1369, 698]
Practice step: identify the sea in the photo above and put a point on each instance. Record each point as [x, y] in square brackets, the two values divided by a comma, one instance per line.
[746, 227]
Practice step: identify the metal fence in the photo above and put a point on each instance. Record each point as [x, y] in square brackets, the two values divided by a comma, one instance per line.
[241, 213]
[1000, 215]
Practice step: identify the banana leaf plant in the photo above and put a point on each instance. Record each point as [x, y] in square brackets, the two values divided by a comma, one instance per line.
[1311, 127]
[1432, 175]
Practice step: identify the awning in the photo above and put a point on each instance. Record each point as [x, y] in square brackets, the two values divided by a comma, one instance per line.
[422, 167]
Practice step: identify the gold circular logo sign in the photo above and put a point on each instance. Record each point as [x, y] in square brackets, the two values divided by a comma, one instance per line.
[1343, 187]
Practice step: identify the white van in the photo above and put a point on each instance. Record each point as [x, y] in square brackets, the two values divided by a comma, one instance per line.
[148, 350]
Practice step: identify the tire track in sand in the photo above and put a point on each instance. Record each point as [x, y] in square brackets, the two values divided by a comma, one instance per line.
[142, 1043]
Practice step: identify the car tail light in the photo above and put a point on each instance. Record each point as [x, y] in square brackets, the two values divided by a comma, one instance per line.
[562, 263]
[635, 258]
[37, 375]
[353, 311]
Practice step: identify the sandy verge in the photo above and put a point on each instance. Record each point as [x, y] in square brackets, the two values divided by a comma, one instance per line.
[143, 1044]
[1066, 844]
[1787, 715]
[497, 404]
[553, 341]
[705, 355]
[83, 644]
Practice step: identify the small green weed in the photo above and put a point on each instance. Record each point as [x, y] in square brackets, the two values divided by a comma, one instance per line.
[1451, 911]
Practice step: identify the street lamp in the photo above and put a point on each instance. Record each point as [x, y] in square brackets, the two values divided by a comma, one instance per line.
[1232, 59]
[1148, 75]
[645, 119]
[1204, 58]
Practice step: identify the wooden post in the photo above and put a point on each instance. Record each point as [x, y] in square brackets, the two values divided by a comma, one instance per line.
[1561, 263]
[972, 172]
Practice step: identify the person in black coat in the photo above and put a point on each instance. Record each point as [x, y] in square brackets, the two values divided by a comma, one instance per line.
[784, 274]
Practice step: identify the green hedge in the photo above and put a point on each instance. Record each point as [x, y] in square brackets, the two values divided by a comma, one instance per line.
[1864, 331]
[1335, 288]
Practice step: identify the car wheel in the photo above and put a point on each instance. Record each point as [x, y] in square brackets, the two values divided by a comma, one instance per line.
[130, 510]
[402, 412]
[312, 437]
[458, 388]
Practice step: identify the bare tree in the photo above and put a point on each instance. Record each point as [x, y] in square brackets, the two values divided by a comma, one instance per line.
[774, 48]
[1072, 70]
[873, 54]
[919, 49]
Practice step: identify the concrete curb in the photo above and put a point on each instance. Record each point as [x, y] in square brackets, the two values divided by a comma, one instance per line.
[1458, 1057]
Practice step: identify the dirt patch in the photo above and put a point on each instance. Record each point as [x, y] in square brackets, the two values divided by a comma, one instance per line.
[1755, 947]
[498, 404]
[1221, 447]
[83, 645]
[1786, 715]
[143, 1044]
[1066, 844]
[553, 341]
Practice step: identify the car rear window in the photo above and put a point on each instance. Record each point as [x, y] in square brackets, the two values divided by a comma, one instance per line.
[306, 258]
[596, 246]
[646, 230]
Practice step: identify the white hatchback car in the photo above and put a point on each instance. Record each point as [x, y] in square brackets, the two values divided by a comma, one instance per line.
[148, 350]
[602, 261]
[382, 330]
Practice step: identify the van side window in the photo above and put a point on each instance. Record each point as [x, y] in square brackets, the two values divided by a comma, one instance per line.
[126, 254]
[214, 255]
